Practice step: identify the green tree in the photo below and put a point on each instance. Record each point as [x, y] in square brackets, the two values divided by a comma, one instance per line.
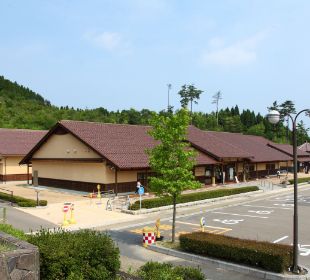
[189, 94]
[287, 107]
[173, 159]
[302, 133]
[257, 129]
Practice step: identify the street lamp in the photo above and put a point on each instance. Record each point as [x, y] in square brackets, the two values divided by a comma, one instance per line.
[169, 88]
[274, 118]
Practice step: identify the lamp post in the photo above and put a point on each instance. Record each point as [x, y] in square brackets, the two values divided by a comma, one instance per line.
[169, 88]
[274, 118]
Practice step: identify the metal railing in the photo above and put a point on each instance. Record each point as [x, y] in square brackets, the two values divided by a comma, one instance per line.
[2, 215]
[10, 192]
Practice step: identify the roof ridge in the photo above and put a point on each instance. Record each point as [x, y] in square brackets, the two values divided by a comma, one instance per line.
[104, 123]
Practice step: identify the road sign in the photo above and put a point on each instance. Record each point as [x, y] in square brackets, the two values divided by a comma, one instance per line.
[141, 190]
[66, 207]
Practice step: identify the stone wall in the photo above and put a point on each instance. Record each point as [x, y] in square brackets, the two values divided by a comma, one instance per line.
[21, 263]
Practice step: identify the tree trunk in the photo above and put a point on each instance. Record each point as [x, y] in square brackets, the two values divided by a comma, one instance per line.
[173, 217]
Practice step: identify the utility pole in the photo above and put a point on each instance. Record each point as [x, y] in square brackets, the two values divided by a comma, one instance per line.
[169, 88]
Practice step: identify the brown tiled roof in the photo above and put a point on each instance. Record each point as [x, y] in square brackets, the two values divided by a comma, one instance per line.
[256, 146]
[214, 145]
[18, 141]
[305, 147]
[288, 149]
[124, 145]
[121, 144]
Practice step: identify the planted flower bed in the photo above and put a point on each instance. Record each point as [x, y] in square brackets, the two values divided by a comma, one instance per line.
[164, 201]
[268, 256]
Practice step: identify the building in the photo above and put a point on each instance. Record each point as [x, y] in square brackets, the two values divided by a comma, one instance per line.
[305, 147]
[79, 155]
[14, 145]
[244, 156]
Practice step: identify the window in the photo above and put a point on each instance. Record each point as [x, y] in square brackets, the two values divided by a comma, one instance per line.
[208, 172]
[270, 166]
[251, 167]
[141, 176]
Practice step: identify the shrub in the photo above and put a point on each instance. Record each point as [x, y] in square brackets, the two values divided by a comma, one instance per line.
[163, 201]
[300, 180]
[268, 256]
[27, 203]
[21, 201]
[82, 255]
[42, 202]
[13, 231]
[166, 271]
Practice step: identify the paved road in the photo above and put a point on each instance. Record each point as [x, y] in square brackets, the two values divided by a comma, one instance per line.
[24, 221]
[266, 219]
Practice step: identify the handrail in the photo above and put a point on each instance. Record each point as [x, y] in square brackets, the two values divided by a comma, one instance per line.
[11, 192]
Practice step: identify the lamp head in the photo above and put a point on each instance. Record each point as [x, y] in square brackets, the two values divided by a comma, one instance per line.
[273, 116]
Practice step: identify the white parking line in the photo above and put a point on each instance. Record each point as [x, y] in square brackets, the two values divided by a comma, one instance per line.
[241, 215]
[268, 207]
[280, 239]
[283, 204]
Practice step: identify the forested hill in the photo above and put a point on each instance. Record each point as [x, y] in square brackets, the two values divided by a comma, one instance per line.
[20, 107]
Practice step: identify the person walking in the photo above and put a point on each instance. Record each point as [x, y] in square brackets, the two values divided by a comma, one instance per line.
[138, 187]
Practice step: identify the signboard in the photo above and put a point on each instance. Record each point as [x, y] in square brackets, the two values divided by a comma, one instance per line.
[67, 206]
[141, 191]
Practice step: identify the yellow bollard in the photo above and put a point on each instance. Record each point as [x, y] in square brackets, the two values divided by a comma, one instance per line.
[157, 227]
[99, 194]
[72, 220]
[65, 210]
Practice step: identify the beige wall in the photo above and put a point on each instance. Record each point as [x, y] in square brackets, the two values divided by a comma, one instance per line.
[200, 171]
[10, 165]
[284, 163]
[81, 171]
[64, 146]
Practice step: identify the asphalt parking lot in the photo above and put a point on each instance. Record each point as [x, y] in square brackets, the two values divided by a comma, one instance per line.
[268, 219]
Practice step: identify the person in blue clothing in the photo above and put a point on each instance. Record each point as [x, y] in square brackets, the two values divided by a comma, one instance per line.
[138, 187]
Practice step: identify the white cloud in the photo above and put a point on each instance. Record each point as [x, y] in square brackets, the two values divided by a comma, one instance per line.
[239, 53]
[109, 41]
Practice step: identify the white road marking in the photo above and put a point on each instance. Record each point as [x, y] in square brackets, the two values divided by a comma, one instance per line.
[267, 207]
[280, 239]
[261, 212]
[306, 251]
[283, 204]
[241, 215]
[228, 222]
[197, 225]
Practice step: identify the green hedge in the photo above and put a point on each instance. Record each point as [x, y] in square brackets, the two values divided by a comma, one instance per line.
[163, 201]
[165, 271]
[21, 201]
[81, 255]
[300, 180]
[268, 256]
[13, 231]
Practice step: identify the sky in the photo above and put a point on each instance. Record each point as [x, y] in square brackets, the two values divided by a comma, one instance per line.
[121, 54]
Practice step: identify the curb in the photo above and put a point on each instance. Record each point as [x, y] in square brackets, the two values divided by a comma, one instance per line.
[193, 203]
[254, 272]
[259, 193]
